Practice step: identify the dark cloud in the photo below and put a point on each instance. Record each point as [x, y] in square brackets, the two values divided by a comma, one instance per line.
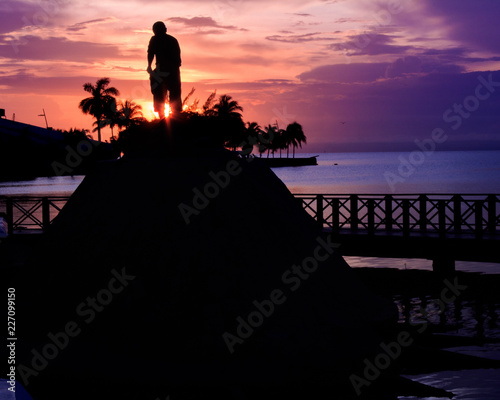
[202, 22]
[83, 25]
[255, 88]
[18, 14]
[454, 55]
[425, 65]
[58, 48]
[306, 37]
[12, 14]
[344, 20]
[29, 83]
[454, 52]
[25, 82]
[472, 23]
[437, 67]
[346, 73]
[370, 43]
[404, 66]
[371, 72]
[127, 69]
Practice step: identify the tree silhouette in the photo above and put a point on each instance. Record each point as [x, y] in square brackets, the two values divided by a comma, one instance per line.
[101, 102]
[129, 113]
[286, 141]
[252, 135]
[74, 135]
[227, 108]
[267, 138]
[190, 107]
[295, 135]
[279, 142]
[229, 119]
[207, 106]
[111, 117]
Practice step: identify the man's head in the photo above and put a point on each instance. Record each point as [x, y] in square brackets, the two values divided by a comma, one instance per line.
[159, 28]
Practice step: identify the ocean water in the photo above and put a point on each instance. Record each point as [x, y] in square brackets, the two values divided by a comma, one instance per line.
[464, 172]
[53, 186]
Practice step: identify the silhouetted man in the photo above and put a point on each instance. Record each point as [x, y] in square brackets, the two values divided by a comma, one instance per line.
[167, 75]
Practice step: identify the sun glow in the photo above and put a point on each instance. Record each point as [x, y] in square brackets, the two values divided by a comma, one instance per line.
[149, 112]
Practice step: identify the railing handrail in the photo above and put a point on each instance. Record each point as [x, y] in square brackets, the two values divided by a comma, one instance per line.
[28, 196]
[424, 213]
[406, 213]
[395, 194]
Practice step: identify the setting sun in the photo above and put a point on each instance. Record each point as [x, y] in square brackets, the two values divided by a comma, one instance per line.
[149, 112]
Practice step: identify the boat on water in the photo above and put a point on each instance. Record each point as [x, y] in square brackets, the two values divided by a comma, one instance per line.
[289, 162]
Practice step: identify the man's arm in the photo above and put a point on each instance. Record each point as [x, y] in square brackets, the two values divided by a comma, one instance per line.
[150, 61]
[151, 56]
[179, 52]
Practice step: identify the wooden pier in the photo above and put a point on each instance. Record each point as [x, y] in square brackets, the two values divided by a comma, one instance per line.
[439, 227]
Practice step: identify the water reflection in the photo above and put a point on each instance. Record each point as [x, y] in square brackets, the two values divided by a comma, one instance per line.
[51, 186]
[472, 318]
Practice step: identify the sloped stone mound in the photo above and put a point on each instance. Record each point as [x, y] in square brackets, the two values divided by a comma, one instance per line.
[171, 274]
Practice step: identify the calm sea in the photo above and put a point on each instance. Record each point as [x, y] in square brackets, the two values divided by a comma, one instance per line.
[467, 172]
[403, 173]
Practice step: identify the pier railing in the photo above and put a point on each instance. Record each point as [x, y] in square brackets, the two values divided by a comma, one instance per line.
[441, 214]
[28, 214]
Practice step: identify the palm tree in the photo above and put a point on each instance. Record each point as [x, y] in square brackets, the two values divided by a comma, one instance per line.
[279, 141]
[207, 106]
[227, 107]
[111, 116]
[296, 135]
[268, 139]
[230, 121]
[101, 101]
[287, 141]
[129, 113]
[251, 135]
[253, 131]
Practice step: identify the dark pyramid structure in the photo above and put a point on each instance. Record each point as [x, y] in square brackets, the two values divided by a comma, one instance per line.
[183, 270]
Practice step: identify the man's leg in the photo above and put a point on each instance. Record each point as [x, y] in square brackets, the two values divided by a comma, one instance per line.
[159, 93]
[174, 90]
[160, 109]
